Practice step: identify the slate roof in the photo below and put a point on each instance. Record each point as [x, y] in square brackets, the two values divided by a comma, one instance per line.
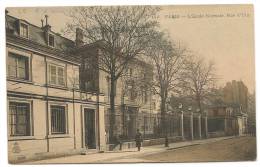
[37, 37]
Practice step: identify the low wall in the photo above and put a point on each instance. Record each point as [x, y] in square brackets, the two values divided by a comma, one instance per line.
[216, 134]
[147, 142]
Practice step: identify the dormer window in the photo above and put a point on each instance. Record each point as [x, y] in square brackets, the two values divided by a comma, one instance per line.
[51, 40]
[24, 30]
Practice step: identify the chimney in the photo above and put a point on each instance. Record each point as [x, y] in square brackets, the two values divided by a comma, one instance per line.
[79, 37]
[46, 19]
[42, 22]
[47, 27]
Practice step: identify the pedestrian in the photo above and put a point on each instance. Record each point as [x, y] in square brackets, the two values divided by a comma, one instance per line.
[138, 139]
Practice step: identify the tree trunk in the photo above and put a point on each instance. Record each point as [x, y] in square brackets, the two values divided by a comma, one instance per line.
[199, 102]
[112, 108]
[163, 121]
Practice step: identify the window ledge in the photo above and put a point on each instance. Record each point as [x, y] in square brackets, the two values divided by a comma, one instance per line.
[19, 80]
[14, 138]
[59, 136]
[57, 87]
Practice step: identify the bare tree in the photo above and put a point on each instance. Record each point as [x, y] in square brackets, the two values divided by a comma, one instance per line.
[136, 82]
[197, 79]
[167, 59]
[124, 32]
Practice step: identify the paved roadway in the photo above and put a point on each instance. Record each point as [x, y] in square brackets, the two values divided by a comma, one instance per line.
[216, 149]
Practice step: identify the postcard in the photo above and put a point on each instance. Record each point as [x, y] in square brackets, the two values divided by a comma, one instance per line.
[130, 84]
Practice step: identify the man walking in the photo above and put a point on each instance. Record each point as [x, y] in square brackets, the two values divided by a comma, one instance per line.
[138, 139]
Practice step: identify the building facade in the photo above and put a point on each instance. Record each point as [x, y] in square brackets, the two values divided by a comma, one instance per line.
[226, 120]
[236, 92]
[251, 114]
[48, 114]
[134, 98]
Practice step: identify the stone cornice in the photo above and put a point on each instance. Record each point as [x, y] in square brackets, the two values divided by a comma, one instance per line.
[45, 50]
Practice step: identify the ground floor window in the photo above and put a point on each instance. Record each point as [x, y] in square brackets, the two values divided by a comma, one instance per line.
[58, 119]
[19, 119]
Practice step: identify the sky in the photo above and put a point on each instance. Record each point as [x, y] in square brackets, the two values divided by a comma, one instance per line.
[220, 33]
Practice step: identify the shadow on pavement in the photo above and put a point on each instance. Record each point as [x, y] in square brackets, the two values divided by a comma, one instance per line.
[122, 151]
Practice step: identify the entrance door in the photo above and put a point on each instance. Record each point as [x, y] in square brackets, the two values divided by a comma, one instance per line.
[89, 119]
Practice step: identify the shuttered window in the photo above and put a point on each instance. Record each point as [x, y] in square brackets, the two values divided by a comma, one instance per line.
[18, 66]
[56, 75]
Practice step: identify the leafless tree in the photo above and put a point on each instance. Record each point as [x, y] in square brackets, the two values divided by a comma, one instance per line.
[137, 84]
[197, 79]
[167, 59]
[124, 32]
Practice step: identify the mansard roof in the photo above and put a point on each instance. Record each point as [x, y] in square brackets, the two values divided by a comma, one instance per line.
[37, 39]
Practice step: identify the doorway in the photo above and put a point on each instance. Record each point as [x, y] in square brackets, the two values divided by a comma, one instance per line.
[89, 125]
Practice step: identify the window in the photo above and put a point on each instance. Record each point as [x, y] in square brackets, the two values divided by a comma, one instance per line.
[51, 40]
[56, 75]
[58, 119]
[19, 119]
[24, 30]
[75, 78]
[18, 66]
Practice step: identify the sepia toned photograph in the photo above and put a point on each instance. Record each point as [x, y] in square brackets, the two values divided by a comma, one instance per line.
[130, 84]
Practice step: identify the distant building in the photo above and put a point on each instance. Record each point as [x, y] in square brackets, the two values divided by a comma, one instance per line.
[251, 113]
[236, 93]
[226, 120]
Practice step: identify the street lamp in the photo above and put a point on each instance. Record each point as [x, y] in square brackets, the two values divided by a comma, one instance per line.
[166, 128]
[180, 106]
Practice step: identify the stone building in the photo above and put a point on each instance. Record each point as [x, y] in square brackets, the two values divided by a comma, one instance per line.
[236, 92]
[48, 113]
[134, 97]
[226, 120]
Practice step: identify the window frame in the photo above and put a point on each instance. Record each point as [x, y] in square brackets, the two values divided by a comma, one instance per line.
[20, 29]
[49, 75]
[75, 83]
[51, 35]
[31, 125]
[27, 69]
[66, 125]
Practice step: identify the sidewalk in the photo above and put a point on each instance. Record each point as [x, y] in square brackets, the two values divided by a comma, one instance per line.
[118, 156]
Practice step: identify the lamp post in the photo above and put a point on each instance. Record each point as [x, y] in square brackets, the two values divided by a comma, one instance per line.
[199, 122]
[191, 121]
[166, 128]
[181, 121]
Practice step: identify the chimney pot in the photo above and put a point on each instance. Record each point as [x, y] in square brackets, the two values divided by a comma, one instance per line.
[42, 22]
[79, 37]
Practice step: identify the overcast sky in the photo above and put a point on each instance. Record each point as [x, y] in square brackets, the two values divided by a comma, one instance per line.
[223, 34]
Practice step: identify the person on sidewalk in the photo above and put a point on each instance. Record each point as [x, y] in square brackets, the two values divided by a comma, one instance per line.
[138, 139]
